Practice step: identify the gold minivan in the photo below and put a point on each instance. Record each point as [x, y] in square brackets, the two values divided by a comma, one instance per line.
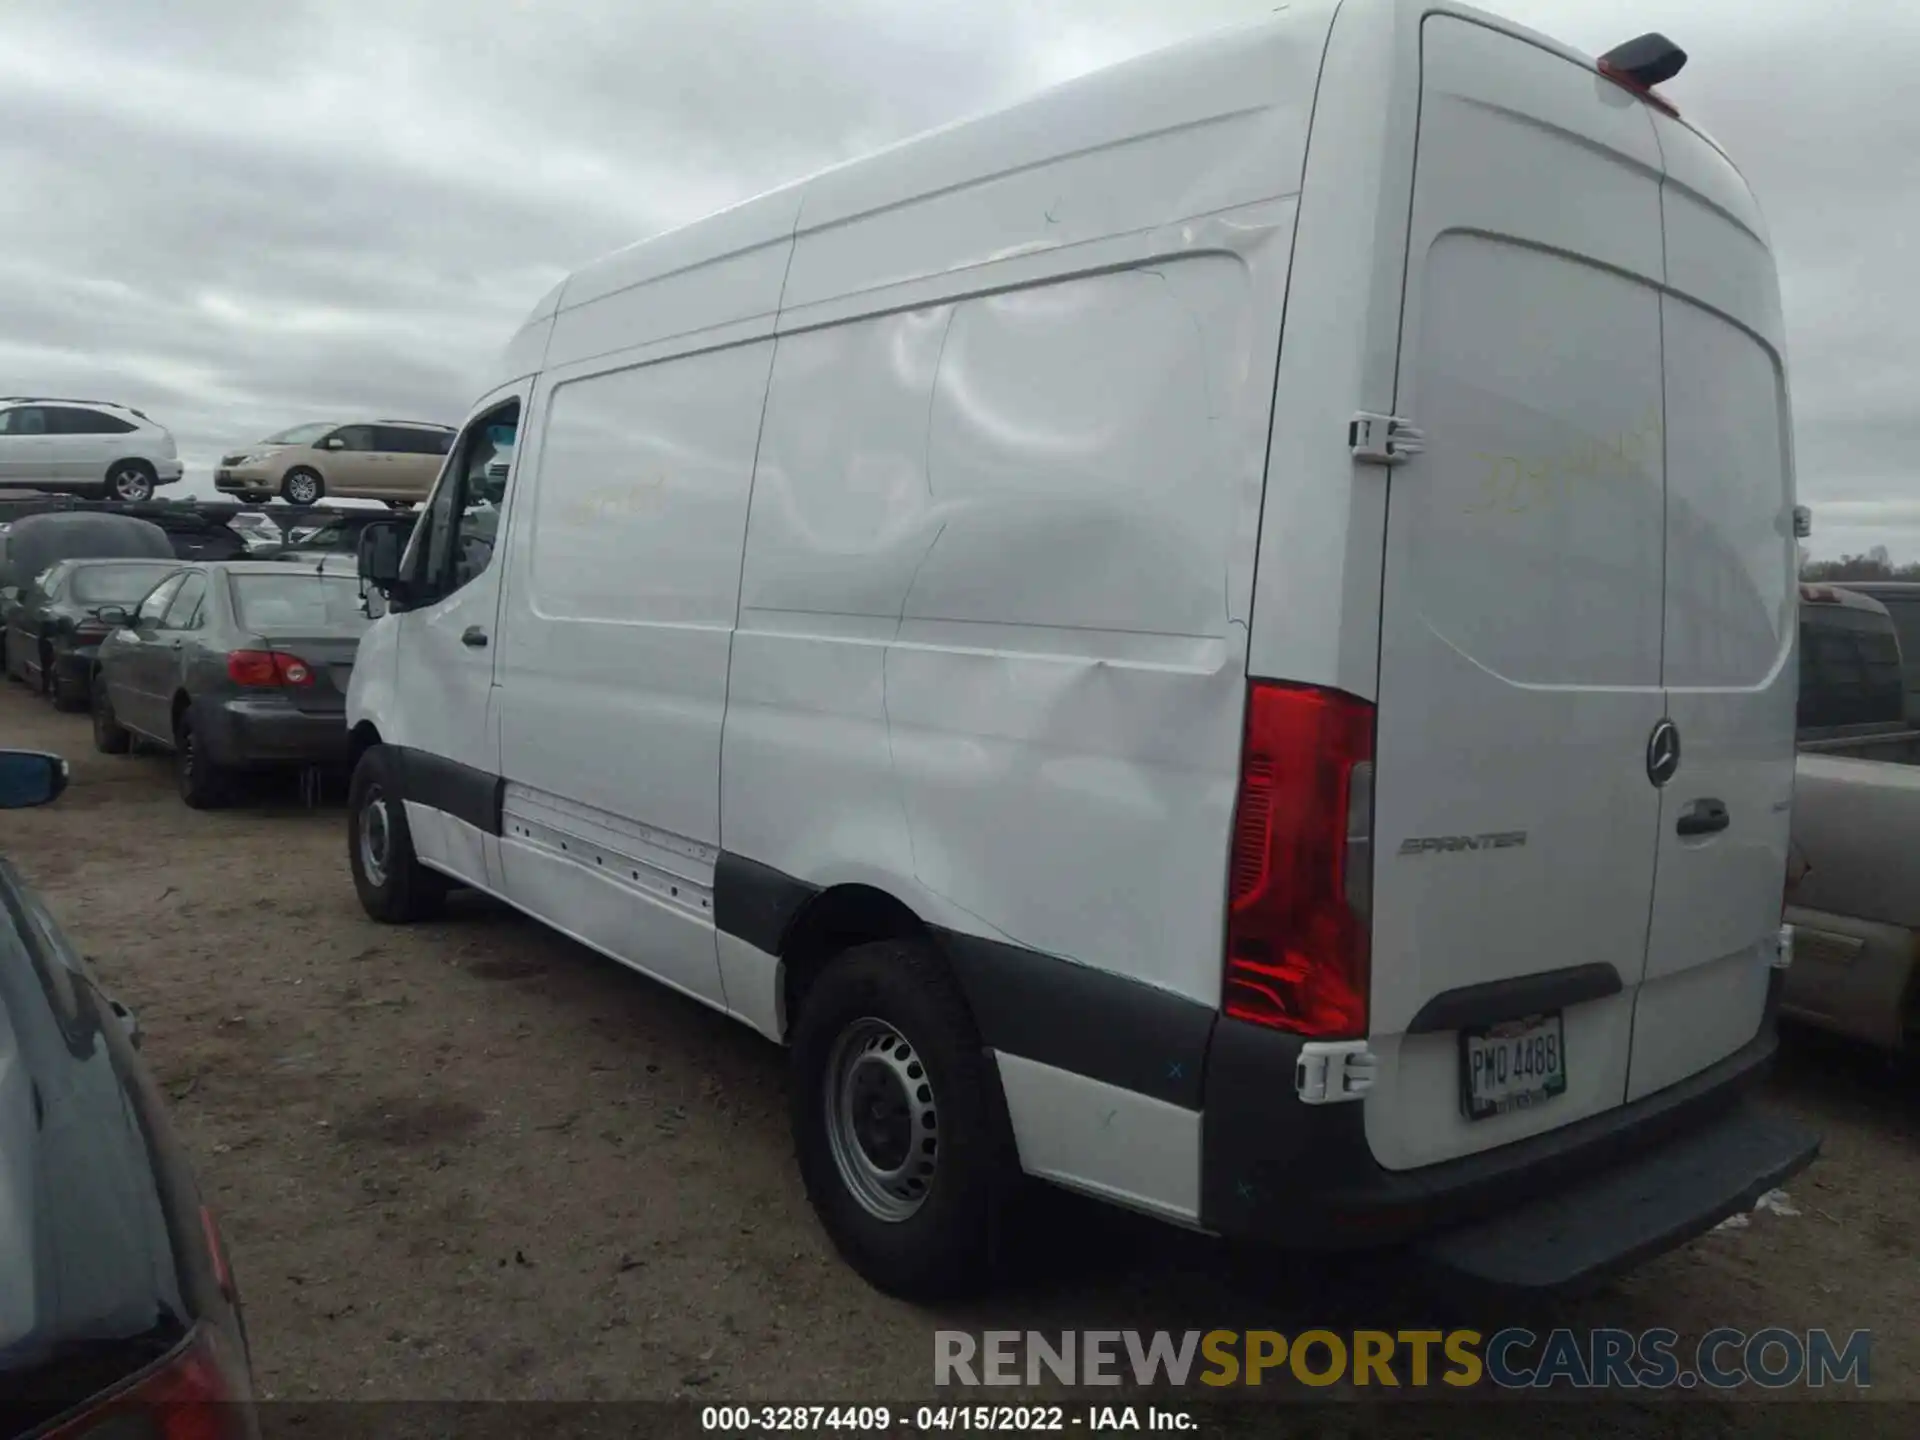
[392, 460]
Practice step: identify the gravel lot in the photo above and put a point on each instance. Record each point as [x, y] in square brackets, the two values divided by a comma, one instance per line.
[472, 1160]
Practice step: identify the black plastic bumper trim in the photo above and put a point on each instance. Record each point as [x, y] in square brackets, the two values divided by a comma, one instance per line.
[1280, 1171]
[1646, 1205]
[1091, 1022]
[462, 791]
[757, 903]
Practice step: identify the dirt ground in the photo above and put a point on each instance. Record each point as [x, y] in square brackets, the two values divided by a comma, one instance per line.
[472, 1160]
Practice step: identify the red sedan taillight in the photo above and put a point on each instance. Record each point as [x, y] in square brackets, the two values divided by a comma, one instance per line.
[267, 668]
[187, 1397]
[1299, 891]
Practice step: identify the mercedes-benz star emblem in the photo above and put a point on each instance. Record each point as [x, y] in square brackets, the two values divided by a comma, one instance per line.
[1663, 752]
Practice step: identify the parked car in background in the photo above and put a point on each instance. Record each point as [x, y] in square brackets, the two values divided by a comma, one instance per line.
[85, 447]
[235, 667]
[1902, 599]
[257, 530]
[53, 632]
[337, 534]
[391, 460]
[118, 1309]
[33, 544]
[1853, 898]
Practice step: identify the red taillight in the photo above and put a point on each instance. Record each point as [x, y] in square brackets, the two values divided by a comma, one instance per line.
[267, 667]
[1300, 873]
[187, 1398]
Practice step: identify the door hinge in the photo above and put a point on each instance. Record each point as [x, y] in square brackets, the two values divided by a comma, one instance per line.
[1779, 954]
[1329, 1071]
[1384, 439]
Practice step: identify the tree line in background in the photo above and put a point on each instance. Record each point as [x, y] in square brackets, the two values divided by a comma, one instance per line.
[1874, 565]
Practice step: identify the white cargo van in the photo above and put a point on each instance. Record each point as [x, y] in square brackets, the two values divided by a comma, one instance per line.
[1223, 637]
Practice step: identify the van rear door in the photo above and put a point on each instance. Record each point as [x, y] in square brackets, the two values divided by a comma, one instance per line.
[1730, 631]
[1515, 824]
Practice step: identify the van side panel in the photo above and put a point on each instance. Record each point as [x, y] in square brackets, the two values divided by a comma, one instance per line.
[613, 661]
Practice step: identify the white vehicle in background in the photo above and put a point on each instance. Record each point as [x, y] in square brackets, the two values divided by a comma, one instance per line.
[1222, 637]
[84, 447]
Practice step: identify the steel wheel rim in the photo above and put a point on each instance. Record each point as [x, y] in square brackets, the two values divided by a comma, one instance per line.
[376, 838]
[882, 1120]
[302, 490]
[132, 485]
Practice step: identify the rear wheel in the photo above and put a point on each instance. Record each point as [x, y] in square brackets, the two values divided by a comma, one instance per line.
[394, 887]
[132, 481]
[110, 737]
[899, 1122]
[204, 785]
[302, 487]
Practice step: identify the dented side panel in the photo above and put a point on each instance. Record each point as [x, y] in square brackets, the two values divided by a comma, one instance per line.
[995, 597]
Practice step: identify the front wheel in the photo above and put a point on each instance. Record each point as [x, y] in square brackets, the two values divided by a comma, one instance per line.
[899, 1122]
[394, 887]
[302, 487]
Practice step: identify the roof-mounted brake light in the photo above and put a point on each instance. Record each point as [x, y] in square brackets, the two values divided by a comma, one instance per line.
[1641, 64]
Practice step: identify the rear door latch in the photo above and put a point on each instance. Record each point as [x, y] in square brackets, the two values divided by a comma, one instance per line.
[1329, 1071]
[1384, 439]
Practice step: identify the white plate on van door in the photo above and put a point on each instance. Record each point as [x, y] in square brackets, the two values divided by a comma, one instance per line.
[1512, 1066]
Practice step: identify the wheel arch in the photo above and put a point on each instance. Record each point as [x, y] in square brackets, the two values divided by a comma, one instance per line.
[832, 921]
[360, 739]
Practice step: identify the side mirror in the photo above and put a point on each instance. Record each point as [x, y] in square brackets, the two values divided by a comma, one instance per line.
[378, 552]
[113, 616]
[29, 778]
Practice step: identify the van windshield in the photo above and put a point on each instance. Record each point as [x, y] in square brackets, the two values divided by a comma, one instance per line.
[298, 435]
[1849, 668]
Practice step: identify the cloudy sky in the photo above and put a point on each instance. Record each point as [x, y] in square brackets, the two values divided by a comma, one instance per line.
[240, 215]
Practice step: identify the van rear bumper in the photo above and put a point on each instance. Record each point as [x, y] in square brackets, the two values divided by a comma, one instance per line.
[1282, 1172]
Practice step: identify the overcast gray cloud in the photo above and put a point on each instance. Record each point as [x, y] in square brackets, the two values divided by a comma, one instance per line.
[241, 215]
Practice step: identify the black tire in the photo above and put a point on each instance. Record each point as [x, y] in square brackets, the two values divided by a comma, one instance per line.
[394, 887]
[110, 737]
[293, 486]
[203, 784]
[131, 481]
[69, 695]
[950, 1243]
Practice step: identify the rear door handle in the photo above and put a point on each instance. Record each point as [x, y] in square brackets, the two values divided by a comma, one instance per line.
[1703, 817]
[475, 637]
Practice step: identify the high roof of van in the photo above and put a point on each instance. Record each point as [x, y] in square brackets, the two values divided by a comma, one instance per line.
[920, 199]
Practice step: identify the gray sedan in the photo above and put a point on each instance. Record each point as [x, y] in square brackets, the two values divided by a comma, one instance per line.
[234, 667]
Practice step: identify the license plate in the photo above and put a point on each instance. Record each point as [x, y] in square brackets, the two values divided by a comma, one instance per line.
[1512, 1066]
[220, 475]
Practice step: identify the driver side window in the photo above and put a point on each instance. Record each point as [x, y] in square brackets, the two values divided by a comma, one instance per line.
[155, 605]
[453, 542]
